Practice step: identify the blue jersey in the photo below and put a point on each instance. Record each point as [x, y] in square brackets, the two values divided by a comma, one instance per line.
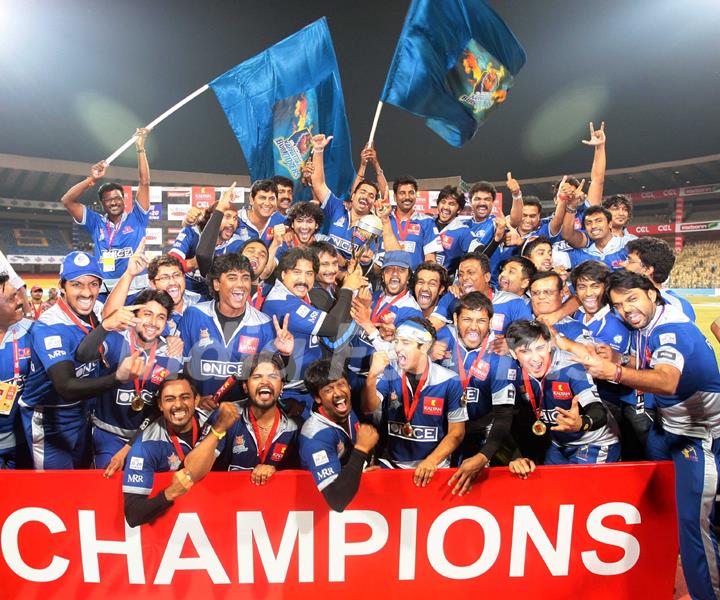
[210, 359]
[565, 380]
[113, 412]
[672, 339]
[340, 231]
[189, 299]
[154, 452]
[325, 447]
[114, 245]
[673, 299]
[508, 307]
[607, 328]
[482, 231]
[54, 338]
[491, 378]
[304, 323]
[417, 235]
[247, 231]
[544, 230]
[439, 403]
[573, 330]
[15, 346]
[238, 450]
[455, 240]
[613, 255]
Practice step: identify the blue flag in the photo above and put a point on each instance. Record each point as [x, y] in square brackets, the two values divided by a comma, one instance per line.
[276, 101]
[454, 63]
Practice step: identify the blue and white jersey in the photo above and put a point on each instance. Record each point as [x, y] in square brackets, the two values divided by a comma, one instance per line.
[439, 403]
[613, 255]
[417, 235]
[573, 330]
[304, 323]
[627, 237]
[189, 299]
[678, 302]
[114, 245]
[154, 452]
[455, 240]
[284, 247]
[339, 230]
[113, 411]
[16, 344]
[184, 247]
[326, 446]
[672, 339]
[565, 380]
[247, 231]
[54, 338]
[209, 359]
[607, 328]
[482, 231]
[508, 307]
[492, 378]
[544, 230]
[238, 450]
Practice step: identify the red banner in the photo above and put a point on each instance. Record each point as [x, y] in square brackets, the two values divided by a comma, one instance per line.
[652, 229]
[203, 197]
[566, 532]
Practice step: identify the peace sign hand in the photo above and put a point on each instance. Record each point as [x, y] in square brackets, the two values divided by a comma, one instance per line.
[597, 136]
[284, 340]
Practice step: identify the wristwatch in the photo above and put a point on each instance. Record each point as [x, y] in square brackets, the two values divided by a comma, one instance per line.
[624, 360]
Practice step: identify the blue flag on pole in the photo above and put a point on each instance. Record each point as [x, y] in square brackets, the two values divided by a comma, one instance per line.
[454, 64]
[276, 101]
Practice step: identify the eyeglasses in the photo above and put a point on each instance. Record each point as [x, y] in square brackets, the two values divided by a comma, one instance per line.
[541, 293]
[177, 276]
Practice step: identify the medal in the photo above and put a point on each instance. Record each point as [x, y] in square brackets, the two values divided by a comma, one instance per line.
[539, 428]
[407, 430]
[463, 399]
[137, 403]
[409, 409]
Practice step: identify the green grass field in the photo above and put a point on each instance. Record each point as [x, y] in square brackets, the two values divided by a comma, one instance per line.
[707, 309]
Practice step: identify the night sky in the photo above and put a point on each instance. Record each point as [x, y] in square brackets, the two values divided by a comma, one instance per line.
[77, 77]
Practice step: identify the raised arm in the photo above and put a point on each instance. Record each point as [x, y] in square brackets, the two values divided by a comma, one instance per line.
[143, 192]
[517, 200]
[320, 189]
[571, 235]
[597, 173]
[71, 198]
[201, 457]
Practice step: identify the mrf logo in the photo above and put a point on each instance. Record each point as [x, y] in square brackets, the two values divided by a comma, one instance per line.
[561, 390]
[433, 406]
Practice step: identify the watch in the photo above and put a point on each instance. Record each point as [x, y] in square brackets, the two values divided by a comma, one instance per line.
[624, 360]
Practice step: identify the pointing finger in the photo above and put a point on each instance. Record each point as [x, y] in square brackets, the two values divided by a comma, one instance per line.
[592, 129]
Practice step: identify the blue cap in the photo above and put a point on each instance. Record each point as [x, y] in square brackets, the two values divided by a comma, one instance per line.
[78, 264]
[397, 258]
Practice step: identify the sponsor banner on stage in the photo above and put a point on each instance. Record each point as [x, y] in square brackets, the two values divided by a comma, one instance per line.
[566, 532]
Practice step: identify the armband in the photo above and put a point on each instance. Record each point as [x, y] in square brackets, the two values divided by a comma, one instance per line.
[217, 434]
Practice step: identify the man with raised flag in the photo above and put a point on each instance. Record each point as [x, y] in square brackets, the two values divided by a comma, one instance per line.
[116, 234]
[416, 232]
[418, 401]
[15, 351]
[671, 359]
[138, 328]
[54, 406]
[488, 382]
[334, 446]
[220, 333]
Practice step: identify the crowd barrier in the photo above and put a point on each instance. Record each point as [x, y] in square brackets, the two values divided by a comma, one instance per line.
[566, 532]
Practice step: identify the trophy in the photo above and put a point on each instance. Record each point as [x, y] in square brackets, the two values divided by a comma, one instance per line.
[368, 229]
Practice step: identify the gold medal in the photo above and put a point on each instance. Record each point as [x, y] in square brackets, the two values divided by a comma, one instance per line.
[539, 428]
[137, 403]
[463, 399]
[407, 430]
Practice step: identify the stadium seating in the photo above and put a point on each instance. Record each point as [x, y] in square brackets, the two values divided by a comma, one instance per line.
[697, 266]
[42, 240]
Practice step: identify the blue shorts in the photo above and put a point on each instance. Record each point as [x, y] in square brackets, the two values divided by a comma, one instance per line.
[59, 438]
[588, 454]
[105, 446]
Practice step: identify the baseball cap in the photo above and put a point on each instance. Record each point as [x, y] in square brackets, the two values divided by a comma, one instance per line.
[36, 287]
[397, 258]
[77, 264]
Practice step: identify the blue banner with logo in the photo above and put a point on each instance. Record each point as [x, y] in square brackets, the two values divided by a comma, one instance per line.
[276, 101]
[454, 64]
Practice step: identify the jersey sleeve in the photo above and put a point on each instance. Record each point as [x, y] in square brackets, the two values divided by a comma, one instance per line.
[457, 413]
[319, 456]
[184, 244]
[139, 473]
[670, 347]
[114, 348]
[503, 375]
[90, 221]
[304, 318]
[431, 237]
[142, 215]
[50, 345]
[184, 330]
[582, 385]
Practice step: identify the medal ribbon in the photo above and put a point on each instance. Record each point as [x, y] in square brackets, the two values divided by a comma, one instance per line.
[402, 231]
[37, 311]
[537, 407]
[465, 379]
[377, 313]
[140, 385]
[259, 298]
[74, 318]
[16, 358]
[410, 408]
[178, 447]
[262, 453]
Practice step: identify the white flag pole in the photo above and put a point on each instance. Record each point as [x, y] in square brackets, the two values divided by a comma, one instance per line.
[152, 124]
[374, 125]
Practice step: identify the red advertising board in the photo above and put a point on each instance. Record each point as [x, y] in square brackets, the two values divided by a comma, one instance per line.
[566, 532]
[652, 229]
[203, 197]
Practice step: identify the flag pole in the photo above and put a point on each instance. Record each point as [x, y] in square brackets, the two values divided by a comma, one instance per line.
[371, 141]
[152, 124]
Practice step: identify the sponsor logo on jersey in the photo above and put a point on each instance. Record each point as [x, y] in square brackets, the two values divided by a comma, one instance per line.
[471, 395]
[248, 344]
[689, 453]
[24, 353]
[127, 229]
[446, 240]
[205, 339]
[561, 390]
[53, 341]
[480, 370]
[174, 462]
[135, 478]
[498, 321]
[419, 433]
[239, 445]
[278, 452]
[320, 458]
[433, 406]
[303, 311]
[219, 368]
[668, 338]
[136, 463]
[159, 374]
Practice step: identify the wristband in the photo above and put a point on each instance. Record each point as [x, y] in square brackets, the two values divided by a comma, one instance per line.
[218, 435]
[587, 423]
[517, 196]
[618, 374]
[318, 150]
[374, 335]
[572, 211]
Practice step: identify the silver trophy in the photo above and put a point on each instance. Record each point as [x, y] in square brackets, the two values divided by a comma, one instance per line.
[368, 229]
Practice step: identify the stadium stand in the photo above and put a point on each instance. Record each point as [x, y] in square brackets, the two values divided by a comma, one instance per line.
[697, 266]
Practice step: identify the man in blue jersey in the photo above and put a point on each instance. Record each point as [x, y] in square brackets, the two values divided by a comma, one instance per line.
[119, 412]
[654, 258]
[546, 298]
[482, 223]
[455, 236]
[416, 232]
[261, 438]
[510, 301]
[621, 208]
[526, 214]
[672, 359]
[14, 367]
[54, 407]
[257, 221]
[289, 299]
[220, 333]
[116, 234]
[418, 402]
[599, 244]
[165, 445]
[334, 446]
[563, 398]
